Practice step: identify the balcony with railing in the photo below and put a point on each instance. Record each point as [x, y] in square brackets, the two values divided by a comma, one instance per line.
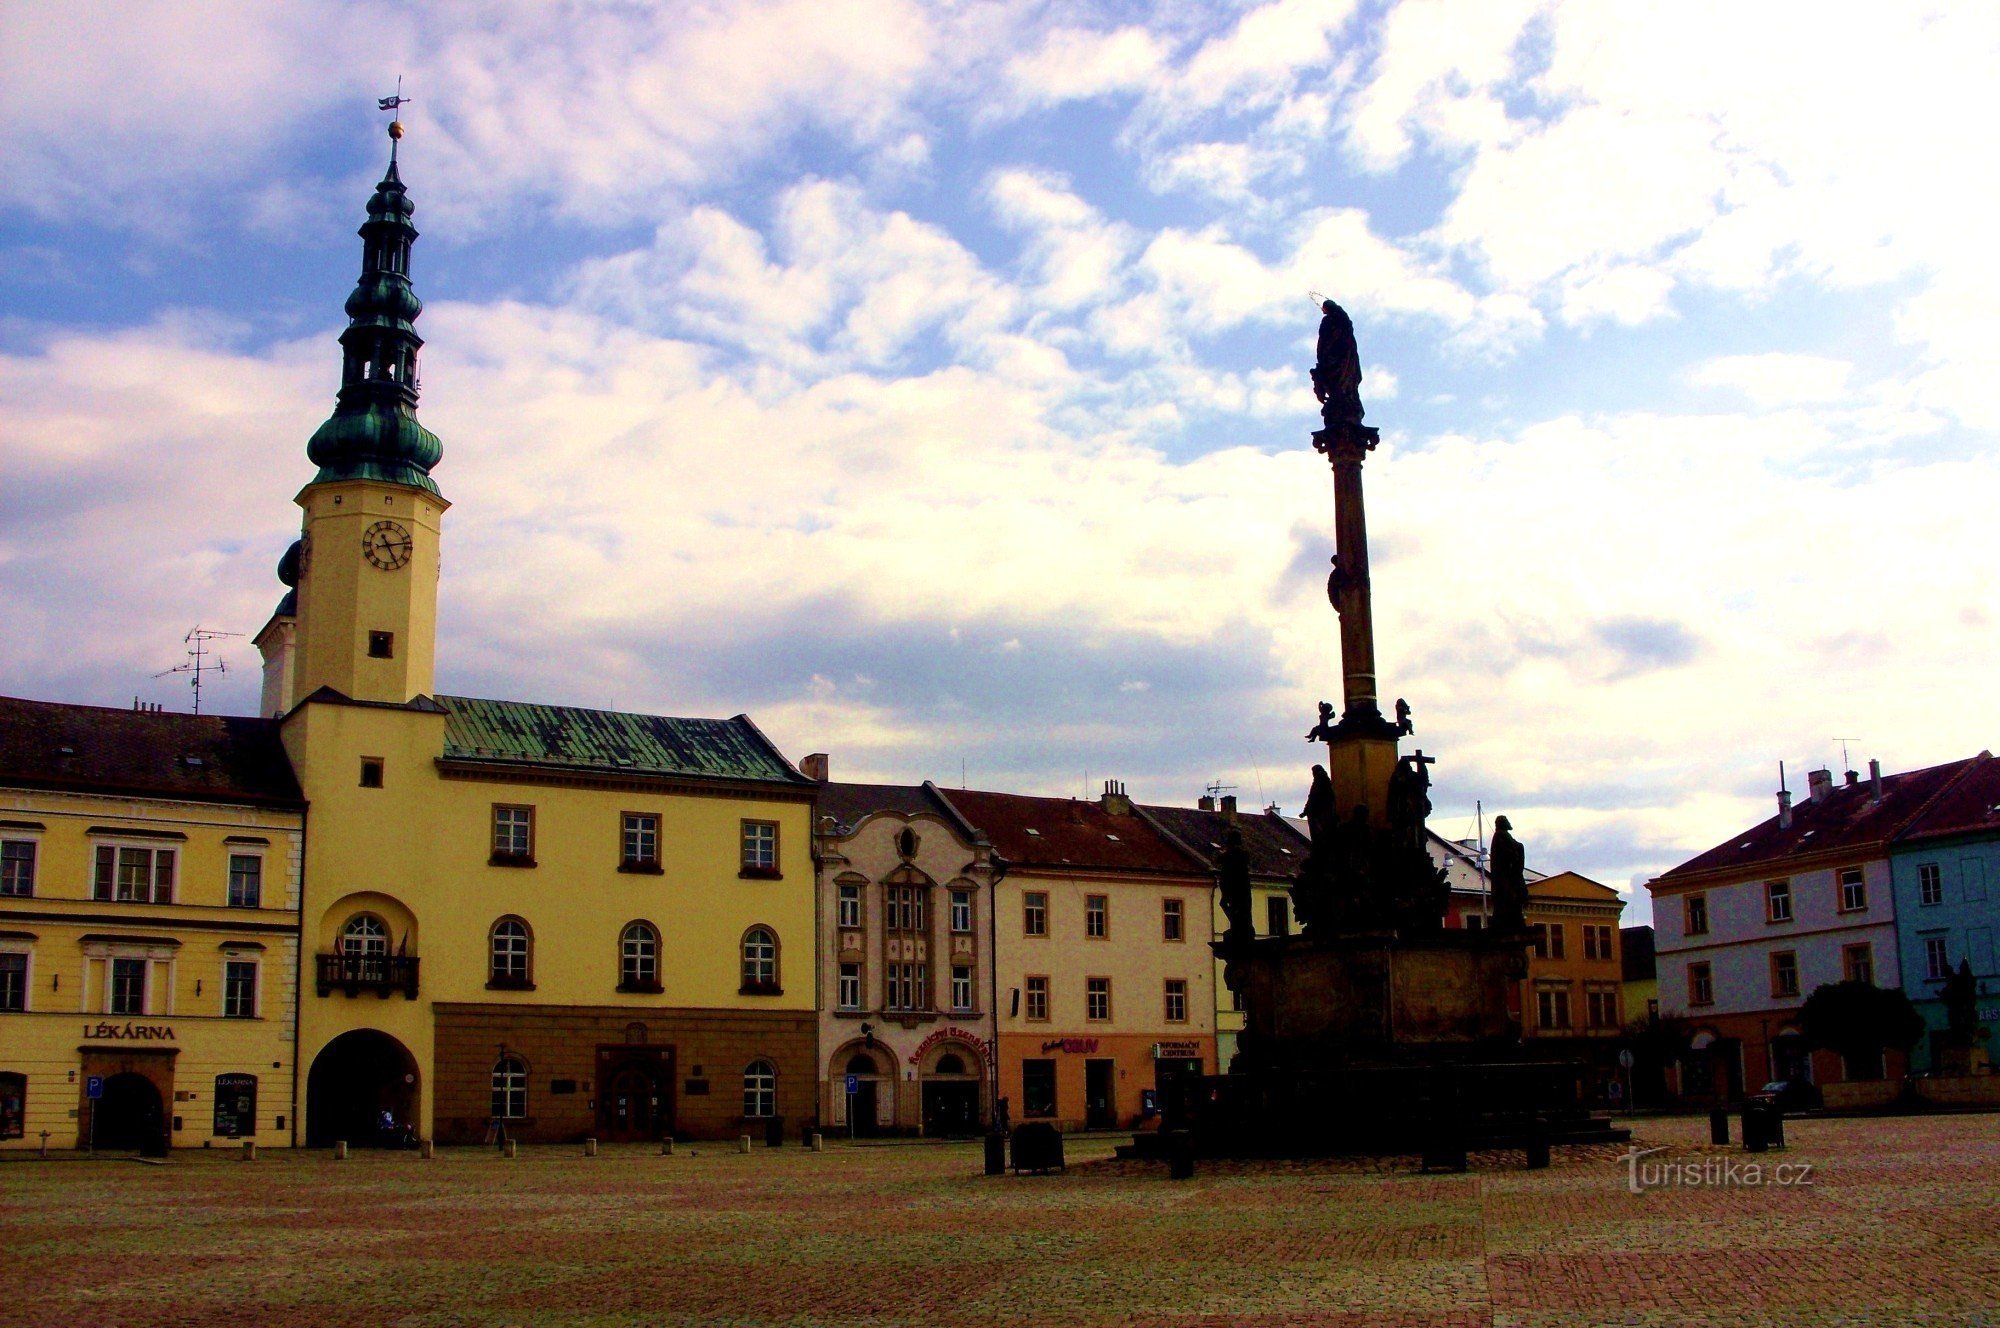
[354, 974]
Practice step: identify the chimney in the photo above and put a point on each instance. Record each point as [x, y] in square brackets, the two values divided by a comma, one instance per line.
[1229, 803]
[1819, 784]
[1874, 781]
[1784, 809]
[1205, 803]
[814, 767]
[1115, 802]
[1853, 778]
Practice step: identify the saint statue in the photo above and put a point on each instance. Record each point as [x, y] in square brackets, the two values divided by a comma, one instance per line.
[1509, 873]
[1336, 377]
[1232, 878]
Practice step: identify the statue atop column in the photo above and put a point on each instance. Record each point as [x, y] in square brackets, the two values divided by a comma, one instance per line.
[1336, 375]
[1509, 875]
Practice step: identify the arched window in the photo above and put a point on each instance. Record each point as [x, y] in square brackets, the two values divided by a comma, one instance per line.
[510, 1088]
[364, 934]
[509, 946]
[639, 958]
[760, 1089]
[760, 960]
[949, 1063]
[861, 1063]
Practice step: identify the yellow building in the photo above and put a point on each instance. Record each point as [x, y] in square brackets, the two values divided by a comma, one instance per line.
[1275, 848]
[149, 929]
[1575, 986]
[554, 921]
[1102, 957]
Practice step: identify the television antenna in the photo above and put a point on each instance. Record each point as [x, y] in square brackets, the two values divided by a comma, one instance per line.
[198, 659]
[1217, 788]
[1845, 764]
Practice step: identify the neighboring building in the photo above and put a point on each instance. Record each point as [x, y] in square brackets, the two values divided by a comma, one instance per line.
[906, 961]
[1101, 939]
[1276, 849]
[556, 921]
[1945, 866]
[1464, 863]
[149, 928]
[1747, 930]
[1575, 978]
[1642, 982]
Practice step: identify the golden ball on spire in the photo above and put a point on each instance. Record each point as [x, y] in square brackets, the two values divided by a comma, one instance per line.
[396, 129]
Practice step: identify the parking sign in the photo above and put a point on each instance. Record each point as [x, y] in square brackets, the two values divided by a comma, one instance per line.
[853, 1084]
[93, 1087]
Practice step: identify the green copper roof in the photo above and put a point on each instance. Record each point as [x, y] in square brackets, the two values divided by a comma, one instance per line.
[611, 741]
[381, 440]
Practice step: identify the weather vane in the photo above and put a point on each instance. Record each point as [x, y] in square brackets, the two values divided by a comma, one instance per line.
[394, 105]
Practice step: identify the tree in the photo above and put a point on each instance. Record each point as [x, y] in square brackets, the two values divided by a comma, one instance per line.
[1860, 1021]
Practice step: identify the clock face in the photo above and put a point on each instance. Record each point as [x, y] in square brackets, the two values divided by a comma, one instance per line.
[387, 545]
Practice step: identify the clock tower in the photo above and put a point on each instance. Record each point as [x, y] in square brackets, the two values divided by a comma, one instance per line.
[366, 567]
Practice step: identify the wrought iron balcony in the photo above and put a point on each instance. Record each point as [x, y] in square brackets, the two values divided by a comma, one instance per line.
[356, 973]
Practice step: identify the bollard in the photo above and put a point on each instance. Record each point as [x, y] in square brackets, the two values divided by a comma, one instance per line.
[510, 1149]
[1774, 1127]
[1718, 1127]
[45, 1143]
[743, 1144]
[249, 1150]
[818, 1142]
[590, 1147]
[996, 1154]
[1538, 1144]
[1180, 1155]
[427, 1149]
[340, 1150]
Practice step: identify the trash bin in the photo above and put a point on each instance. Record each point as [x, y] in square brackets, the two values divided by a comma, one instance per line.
[1718, 1127]
[1038, 1147]
[1756, 1127]
[1537, 1144]
[774, 1132]
[996, 1154]
[1180, 1154]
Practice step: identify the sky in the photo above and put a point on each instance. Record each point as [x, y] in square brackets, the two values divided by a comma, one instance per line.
[928, 380]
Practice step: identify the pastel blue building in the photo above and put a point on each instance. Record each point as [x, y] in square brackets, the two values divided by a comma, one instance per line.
[1945, 869]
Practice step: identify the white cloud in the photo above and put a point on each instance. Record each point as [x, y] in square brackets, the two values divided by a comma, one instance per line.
[1076, 63]
[1776, 378]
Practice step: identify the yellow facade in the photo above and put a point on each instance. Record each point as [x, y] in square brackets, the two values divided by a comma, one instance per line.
[180, 1026]
[1575, 984]
[350, 585]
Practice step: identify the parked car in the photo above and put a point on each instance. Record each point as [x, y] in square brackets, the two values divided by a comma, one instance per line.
[1791, 1094]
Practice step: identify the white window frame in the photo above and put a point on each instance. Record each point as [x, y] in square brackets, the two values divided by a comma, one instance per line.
[1034, 913]
[153, 848]
[961, 912]
[848, 996]
[509, 1088]
[1865, 950]
[251, 853]
[759, 845]
[523, 951]
[111, 983]
[638, 955]
[1937, 957]
[635, 831]
[1176, 993]
[1095, 989]
[1930, 883]
[961, 989]
[1781, 988]
[34, 858]
[1701, 992]
[513, 823]
[1173, 920]
[1854, 889]
[760, 957]
[26, 950]
[847, 903]
[760, 1090]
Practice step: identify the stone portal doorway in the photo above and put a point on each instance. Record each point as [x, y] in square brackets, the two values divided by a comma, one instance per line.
[131, 1115]
[363, 1089]
[635, 1092]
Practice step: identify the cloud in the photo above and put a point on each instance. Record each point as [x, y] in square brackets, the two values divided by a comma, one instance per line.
[1776, 378]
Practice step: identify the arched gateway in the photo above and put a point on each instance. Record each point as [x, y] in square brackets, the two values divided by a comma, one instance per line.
[362, 1088]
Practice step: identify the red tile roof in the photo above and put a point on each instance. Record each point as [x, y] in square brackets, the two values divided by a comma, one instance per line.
[212, 758]
[1969, 806]
[1063, 832]
[1276, 850]
[1848, 818]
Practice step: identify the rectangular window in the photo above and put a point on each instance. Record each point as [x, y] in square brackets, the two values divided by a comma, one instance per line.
[1784, 973]
[903, 908]
[850, 906]
[1777, 901]
[128, 986]
[1096, 916]
[1541, 940]
[1696, 915]
[1607, 942]
[246, 880]
[1601, 1008]
[908, 987]
[134, 875]
[1038, 1000]
[1589, 941]
[850, 986]
[1176, 1000]
[1474, 922]
[371, 772]
[1038, 1088]
[1857, 963]
[239, 989]
[1552, 1008]
[760, 848]
[639, 839]
[1930, 884]
[961, 989]
[1701, 985]
[1937, 959]
[1097, 999]
[1278, 914]
[1034, 913]
[1556, 930]
[961, 912]
[17, 867]
[1853, 890]
[513, 834]
[381, 645]
[1172, 926]
[13, 982]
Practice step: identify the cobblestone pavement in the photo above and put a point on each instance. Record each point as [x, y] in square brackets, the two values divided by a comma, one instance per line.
[1900, 1224]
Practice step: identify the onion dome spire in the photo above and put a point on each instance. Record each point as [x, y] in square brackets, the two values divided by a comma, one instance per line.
[373, 432]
